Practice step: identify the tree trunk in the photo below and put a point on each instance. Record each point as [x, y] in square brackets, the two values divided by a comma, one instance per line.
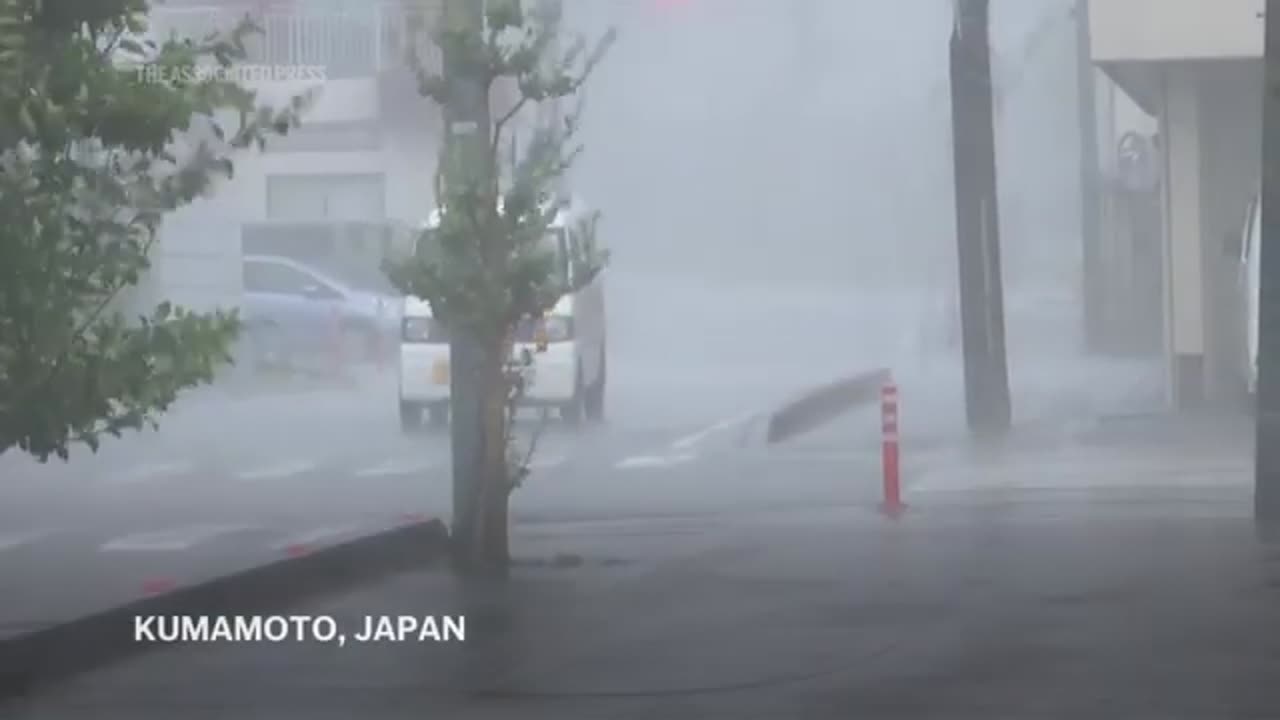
[489, 551]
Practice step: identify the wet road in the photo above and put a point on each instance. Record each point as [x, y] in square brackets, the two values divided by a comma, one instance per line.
[228, 484]
[1023, 604]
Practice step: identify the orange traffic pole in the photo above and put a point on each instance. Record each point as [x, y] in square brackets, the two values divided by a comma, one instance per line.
[889, 460]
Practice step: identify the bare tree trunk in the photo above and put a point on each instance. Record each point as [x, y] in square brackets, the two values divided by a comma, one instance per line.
[490, 553]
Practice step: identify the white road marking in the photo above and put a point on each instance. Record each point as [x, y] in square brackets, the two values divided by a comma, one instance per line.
[399, 467]
[14, 540]
[148, 473]
[689, 441]
[276, 471]
[654, 461]
[181, 538]
[316, 535]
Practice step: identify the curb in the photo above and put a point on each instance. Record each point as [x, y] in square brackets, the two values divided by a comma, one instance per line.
[823, 404]
[59, 653]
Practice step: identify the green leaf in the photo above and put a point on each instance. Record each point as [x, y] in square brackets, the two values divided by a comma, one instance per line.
[76, 227]
[25, 119]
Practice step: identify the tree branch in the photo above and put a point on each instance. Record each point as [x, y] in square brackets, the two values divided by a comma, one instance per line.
[500, 125]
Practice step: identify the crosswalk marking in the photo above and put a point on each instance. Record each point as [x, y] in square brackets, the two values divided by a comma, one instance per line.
[399, 467]
[316, 535]
[14, 540]
[148, 472]
[687, 442]
[180, 538]
[147, 475]
[654, 461]
[277, 470]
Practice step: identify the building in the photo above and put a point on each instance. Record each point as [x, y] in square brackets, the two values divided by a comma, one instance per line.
[367, 147]
[1129, 268]
[366, 152]
[1196, 67]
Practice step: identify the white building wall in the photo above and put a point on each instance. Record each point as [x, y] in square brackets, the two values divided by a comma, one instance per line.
[1138, 30]
[1118, 114]
[197, 258]
[1197, 62]
[1182, 112]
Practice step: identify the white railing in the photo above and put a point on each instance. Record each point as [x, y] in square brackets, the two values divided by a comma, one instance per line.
[352, 40]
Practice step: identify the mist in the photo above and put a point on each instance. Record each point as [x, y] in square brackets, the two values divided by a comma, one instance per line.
[790, 166]
[777, 194]
[745, 474]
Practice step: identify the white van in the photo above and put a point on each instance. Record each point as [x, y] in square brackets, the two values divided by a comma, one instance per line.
[1250, 276]
[569, 374]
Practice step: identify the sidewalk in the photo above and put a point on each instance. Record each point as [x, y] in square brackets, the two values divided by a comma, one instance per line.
[980, 610]
[1054, 402]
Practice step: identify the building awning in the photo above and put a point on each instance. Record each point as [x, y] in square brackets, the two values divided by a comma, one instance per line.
[1140, 80]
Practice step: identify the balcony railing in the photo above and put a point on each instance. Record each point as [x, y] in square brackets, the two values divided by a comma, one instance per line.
[348, 41]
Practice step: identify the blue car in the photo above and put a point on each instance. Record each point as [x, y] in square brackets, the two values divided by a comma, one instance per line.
[299, 316]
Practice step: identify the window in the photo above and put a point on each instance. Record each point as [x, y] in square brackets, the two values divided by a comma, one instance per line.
[277, 279]
[341, 36]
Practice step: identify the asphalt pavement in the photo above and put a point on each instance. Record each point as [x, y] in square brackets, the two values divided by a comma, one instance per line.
[232, 482]
[1014, 604]
[1089, 566]
[229, 483]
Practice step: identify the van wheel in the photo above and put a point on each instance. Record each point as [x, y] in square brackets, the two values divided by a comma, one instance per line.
[410, 417]
[596, 393]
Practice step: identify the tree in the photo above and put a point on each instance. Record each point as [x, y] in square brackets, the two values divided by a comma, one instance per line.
[490, 270]
[102, 133]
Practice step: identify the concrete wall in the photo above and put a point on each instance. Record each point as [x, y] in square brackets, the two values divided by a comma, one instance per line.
[1231, 148]
[1130, 239]
[1198, 63]
[404, 155]
[347, 131]
[1117, 114]
[1211, 117]
[1184, 330]
[1157, 30]
[198, 253]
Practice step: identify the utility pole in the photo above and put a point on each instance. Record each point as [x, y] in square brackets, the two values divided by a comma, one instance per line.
[467, 138]
[986, 376]
[1094, 300]
[1267, 446]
